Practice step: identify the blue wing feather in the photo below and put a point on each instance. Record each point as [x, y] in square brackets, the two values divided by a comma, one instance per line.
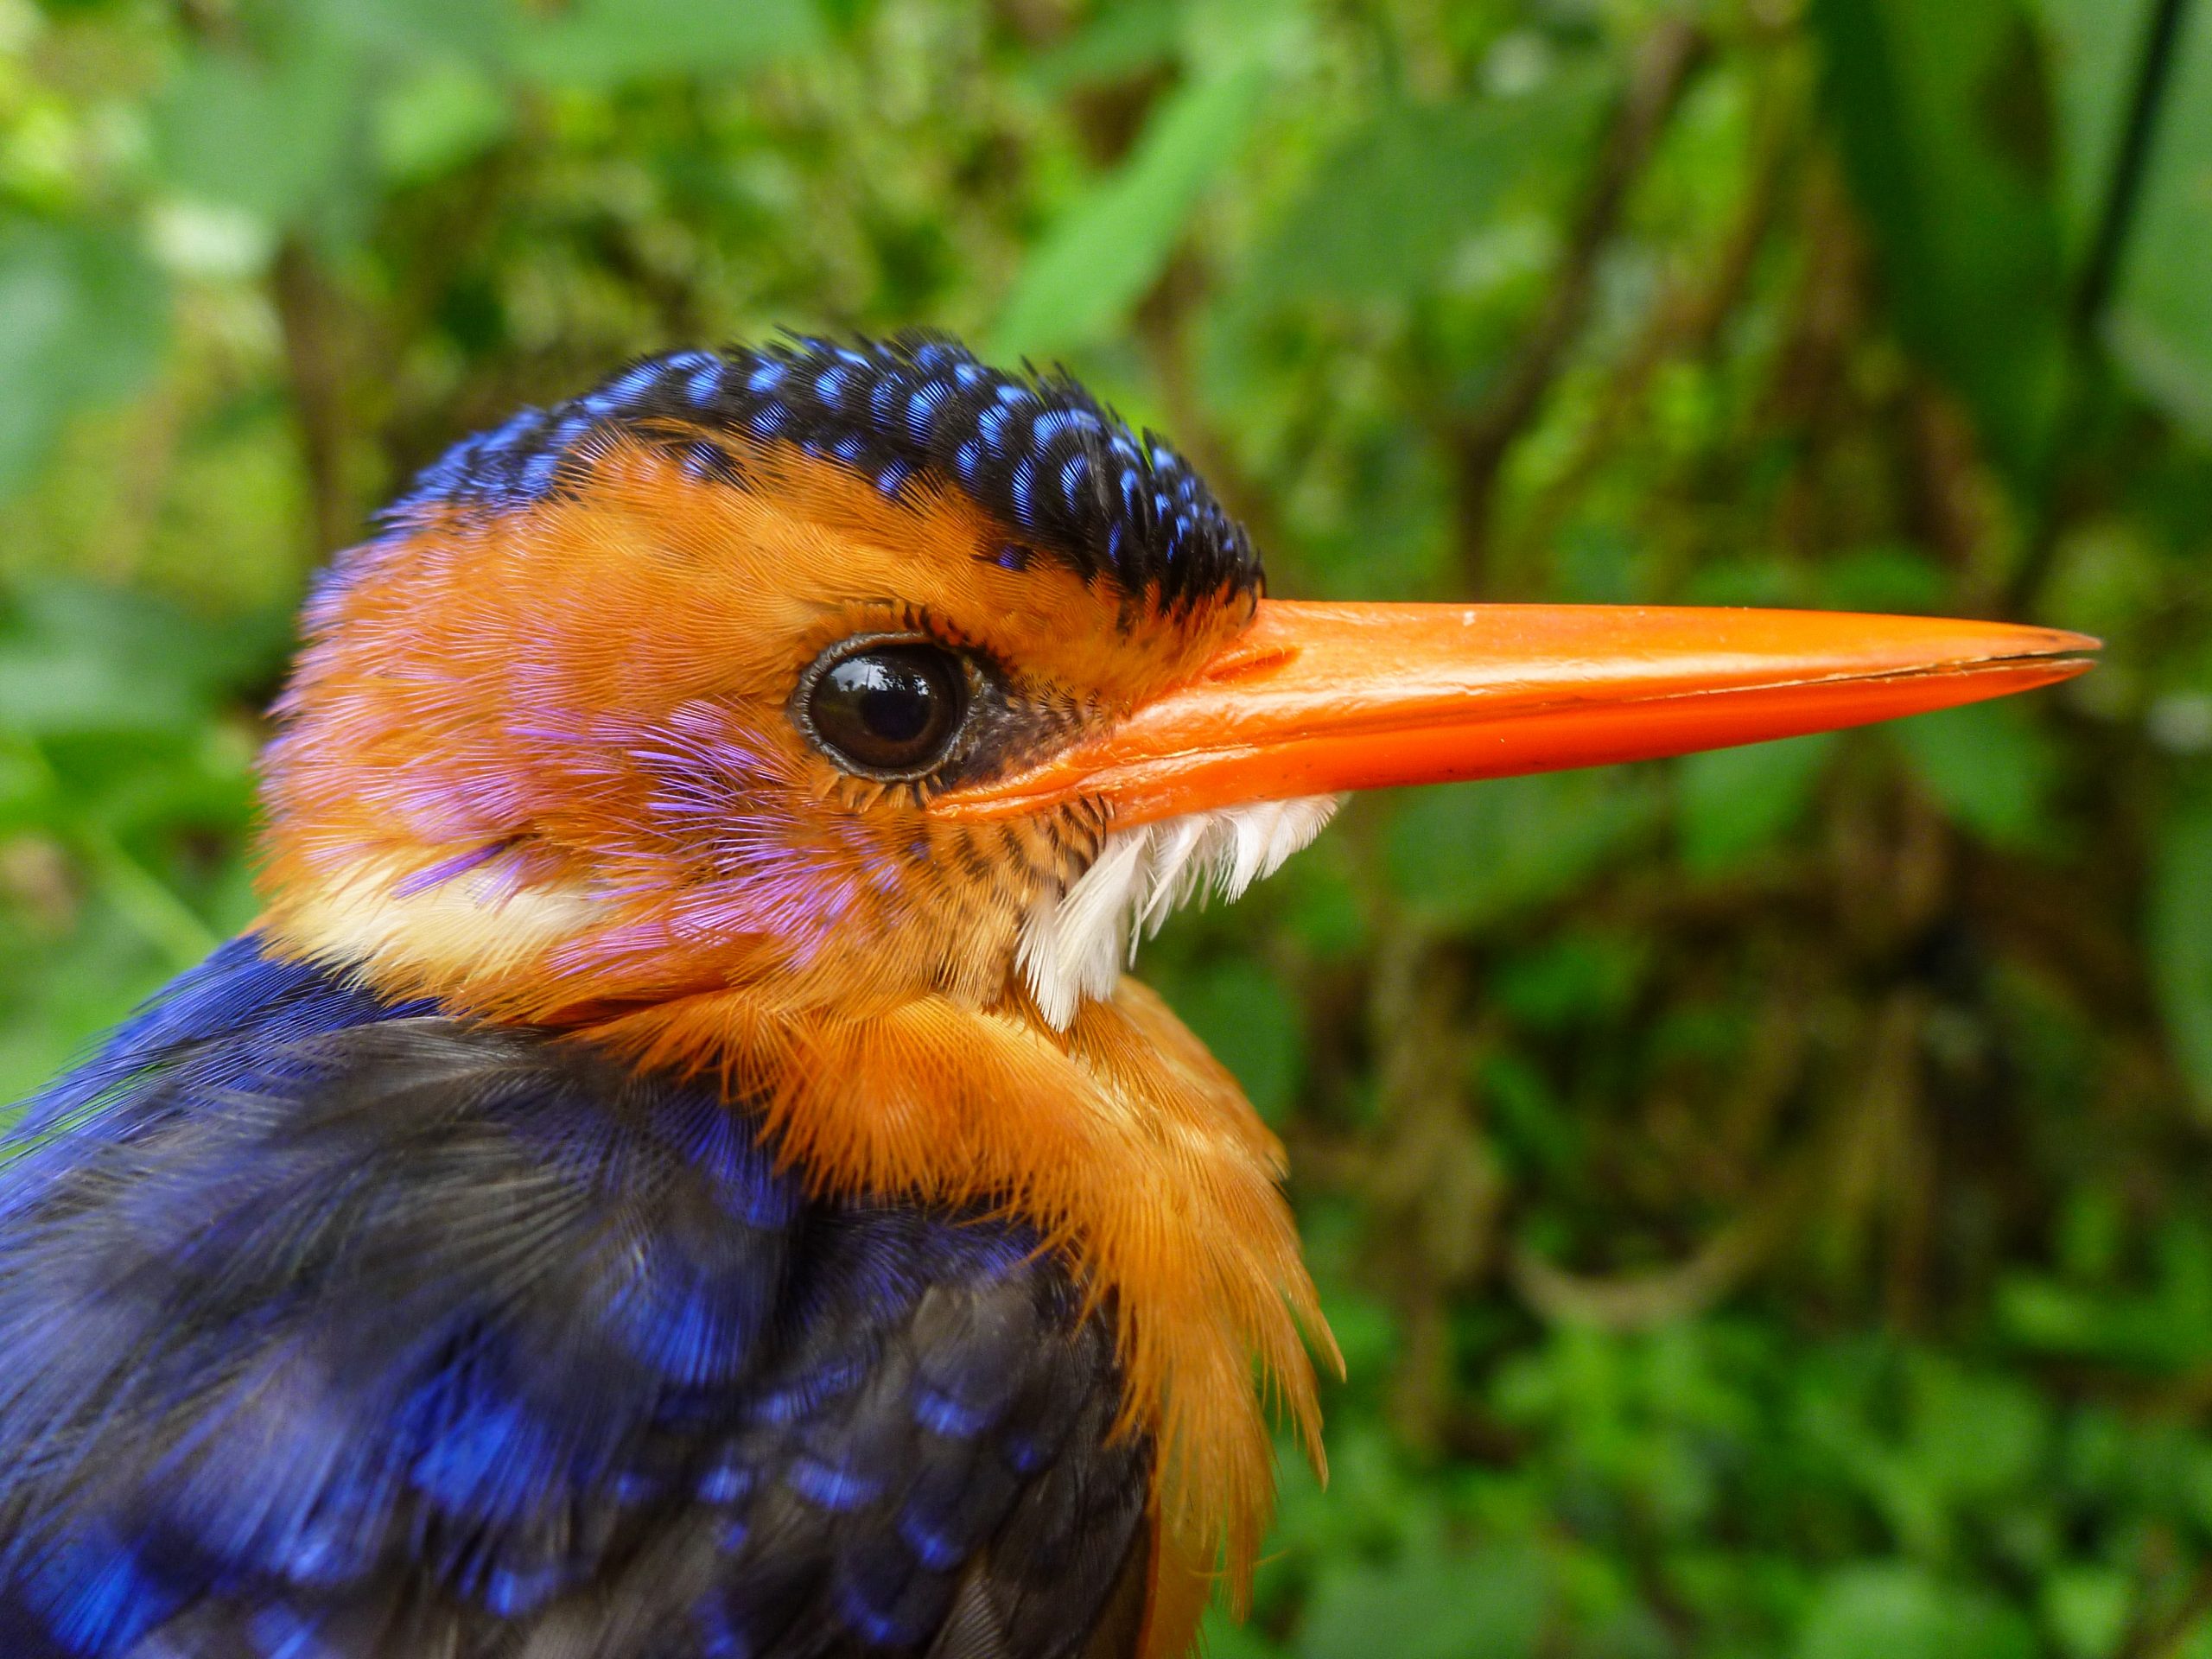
[337, 1328]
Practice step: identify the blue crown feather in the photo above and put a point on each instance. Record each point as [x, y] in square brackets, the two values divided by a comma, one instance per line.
[1035, 449]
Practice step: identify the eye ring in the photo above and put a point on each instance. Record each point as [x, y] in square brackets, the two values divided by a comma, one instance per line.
[887, 706]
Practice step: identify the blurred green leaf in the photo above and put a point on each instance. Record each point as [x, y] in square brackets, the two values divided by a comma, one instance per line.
[1470, 853]
[2161, 323]
[1120, 40]
[1580, 976]
[1882, 578]
[1988, 766]
[603, 43]
[1250, 1020]
[1734, 802]
[1899, 1611]
[438, 119]
[2088, 1608]
[1099, 257]
[1946, 125]
[1386, 210]
[274, 138]
[1974, 1437]
[86, 319]
[2163, 1329]
[2180, 936]
[1431, 1604]
[77, 657]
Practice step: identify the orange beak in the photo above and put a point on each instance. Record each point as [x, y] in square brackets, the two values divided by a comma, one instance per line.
[1312, 699]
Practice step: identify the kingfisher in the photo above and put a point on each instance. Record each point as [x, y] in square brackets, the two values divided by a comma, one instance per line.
[678, 1170]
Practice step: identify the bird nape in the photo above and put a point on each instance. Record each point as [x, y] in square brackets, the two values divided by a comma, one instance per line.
[676, 1169]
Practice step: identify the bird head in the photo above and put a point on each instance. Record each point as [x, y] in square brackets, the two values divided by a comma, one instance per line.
[834, 715]
[656, 692]
[842, 675]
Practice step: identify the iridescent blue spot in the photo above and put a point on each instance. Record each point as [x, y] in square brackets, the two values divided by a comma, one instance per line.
[769, 419]
[1025, 478]
[850, 448]
[282, 1632]
[726, 1483]
[1113, 545]
[1014, 392]
[1073, 471]
[705, 383]
[719, 1637]
[882, 1630]
[93, 1594]
[839, 1491]
[765, 375]
[942, 1414]
[922, 408]
[932, 1548]
[887, 391]
[795, 1399]
[537, 471]
[1012, 556]
[636, 383]
[965, 375]
[704, 460]
[1053, 422]
[829, 384]
[933, 352]
[730, 1533]
[966, 458]
[990, 426]
[510, 1593]
[893, 478]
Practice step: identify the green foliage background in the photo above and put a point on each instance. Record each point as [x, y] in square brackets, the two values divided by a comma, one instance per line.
[1763, 1200]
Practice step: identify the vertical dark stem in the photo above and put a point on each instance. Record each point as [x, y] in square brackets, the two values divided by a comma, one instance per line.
[2100, 272]
[2153, 74]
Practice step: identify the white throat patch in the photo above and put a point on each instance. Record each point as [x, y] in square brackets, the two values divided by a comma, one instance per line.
[1074, 945]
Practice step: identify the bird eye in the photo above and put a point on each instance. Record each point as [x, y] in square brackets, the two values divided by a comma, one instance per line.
[887, 711]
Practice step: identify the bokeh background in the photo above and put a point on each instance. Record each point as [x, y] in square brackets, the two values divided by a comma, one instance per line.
[1766, 1201]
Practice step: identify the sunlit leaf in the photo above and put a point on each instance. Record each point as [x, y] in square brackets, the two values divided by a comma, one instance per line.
[436, 120]
[276, 137]
[1098, 259]
[601, 43]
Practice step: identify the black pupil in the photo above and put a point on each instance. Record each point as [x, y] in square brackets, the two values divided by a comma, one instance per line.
[888, 708]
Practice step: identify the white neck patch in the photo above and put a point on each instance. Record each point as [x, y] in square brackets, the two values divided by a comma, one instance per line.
[1074, 944]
